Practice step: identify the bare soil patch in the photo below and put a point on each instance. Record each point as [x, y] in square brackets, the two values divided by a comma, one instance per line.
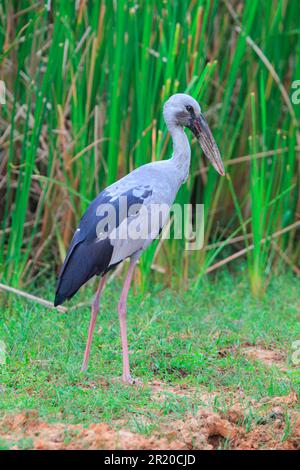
[207, 429]
[210, 430]
[267, 356]
[55, 436]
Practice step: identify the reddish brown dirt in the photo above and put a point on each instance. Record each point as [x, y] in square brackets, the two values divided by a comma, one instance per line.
[66, 436]
[205, 430]
[209, 430]
[267, 356]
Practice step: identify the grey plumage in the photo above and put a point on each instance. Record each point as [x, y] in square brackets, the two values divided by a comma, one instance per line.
[150, 186]
[88, 256]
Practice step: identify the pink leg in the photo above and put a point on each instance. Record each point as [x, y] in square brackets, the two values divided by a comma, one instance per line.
[95, 310]
[122, 317]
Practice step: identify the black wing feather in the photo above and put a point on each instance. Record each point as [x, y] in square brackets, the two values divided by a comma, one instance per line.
[82, 266]
[88, 256]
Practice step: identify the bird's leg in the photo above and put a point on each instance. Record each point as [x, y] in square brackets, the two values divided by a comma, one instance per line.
[95, 310]
[126, 377]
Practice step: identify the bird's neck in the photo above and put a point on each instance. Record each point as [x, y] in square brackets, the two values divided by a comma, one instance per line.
[181, 157]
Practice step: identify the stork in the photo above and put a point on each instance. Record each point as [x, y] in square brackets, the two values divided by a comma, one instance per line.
[95, 248]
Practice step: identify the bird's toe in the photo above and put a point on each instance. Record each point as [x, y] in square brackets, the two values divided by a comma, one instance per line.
[130, 380]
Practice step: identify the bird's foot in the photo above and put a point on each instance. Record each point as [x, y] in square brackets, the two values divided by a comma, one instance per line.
[126, 378]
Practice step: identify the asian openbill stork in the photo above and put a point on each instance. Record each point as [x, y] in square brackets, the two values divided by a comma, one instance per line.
[95, 249]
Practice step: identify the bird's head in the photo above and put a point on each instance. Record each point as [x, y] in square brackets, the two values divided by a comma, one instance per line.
[183, 110]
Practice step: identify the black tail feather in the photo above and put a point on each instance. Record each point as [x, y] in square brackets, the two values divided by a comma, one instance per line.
[86, 260]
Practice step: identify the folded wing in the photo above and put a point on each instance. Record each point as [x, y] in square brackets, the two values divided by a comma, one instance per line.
[93, 252]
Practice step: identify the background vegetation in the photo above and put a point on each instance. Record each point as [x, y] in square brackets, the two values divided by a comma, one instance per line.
[86, 82]
[85, 85]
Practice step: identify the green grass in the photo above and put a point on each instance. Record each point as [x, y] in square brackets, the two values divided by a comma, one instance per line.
[196, 339]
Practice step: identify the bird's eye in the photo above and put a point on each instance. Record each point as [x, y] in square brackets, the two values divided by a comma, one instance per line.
[189, 108]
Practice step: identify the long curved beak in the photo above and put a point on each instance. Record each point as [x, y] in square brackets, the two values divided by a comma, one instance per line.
[202, 132]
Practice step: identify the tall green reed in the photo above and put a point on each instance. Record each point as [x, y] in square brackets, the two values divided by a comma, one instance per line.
[86, 87]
